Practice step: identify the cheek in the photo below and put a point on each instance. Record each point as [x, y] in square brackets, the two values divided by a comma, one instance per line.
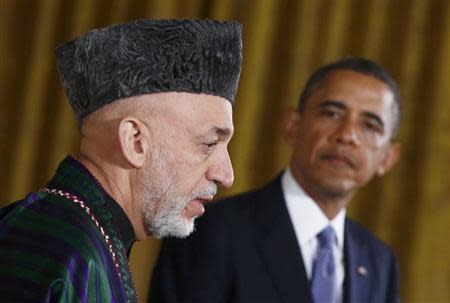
[189, 172]
[181, 156]
[313, 143]
[371, 161]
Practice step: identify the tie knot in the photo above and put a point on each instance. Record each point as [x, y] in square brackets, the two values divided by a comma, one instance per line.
[326, 237]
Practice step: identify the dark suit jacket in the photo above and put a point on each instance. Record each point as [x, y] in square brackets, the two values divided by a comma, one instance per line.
[245, 250]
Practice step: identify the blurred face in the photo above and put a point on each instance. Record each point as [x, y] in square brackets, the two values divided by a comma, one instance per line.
[342, 138]
[189, 159]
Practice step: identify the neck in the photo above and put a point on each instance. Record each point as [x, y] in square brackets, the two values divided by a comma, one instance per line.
[110, 181]
[330, 208]
[330, 202]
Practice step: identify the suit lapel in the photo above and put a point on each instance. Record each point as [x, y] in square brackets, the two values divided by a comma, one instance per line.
[278, 246]
[358, 270]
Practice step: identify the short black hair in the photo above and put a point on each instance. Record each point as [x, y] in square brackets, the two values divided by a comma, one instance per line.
[359, 65]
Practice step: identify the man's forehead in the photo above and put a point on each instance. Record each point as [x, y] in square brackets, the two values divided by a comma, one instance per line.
[202, 111]
[358, 88]
[342, 78]
[179, 97]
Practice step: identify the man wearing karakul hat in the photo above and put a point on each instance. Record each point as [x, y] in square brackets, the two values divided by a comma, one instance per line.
[154, 102]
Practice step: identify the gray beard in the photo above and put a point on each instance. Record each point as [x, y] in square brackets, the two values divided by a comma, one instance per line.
[168, 222]
[163, 203]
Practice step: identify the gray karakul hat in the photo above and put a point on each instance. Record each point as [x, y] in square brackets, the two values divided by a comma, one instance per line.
[150, 56]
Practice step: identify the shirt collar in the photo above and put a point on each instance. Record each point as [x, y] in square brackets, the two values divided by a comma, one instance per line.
[121, 221]
[306, 216]
[123, 224]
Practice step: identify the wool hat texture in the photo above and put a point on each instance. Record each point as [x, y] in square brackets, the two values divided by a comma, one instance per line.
[150, 56]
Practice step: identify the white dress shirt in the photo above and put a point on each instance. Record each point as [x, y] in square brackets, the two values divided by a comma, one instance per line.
[308, 221]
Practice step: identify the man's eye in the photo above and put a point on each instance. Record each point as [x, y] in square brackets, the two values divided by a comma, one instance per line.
[209, 146]
[330, 113]
[373, 127]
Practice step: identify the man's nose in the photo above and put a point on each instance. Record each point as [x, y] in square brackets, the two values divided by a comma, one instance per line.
[347, 133]
[221, 170]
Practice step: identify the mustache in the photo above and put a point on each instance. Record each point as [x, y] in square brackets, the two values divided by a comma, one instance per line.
[211, 190]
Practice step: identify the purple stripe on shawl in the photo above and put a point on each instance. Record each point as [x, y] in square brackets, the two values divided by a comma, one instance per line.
[56, 250]
[66, 214]
[68, 256]
[84, 223]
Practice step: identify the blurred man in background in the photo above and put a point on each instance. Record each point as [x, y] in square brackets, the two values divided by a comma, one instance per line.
[291, 240]
[154, 101]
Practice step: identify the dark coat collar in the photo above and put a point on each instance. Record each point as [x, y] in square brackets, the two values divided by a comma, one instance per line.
[279, 247]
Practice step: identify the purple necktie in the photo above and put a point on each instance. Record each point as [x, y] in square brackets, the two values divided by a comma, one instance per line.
[323, 282]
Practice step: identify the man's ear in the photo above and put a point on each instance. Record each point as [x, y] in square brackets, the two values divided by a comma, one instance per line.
[133, 141]
[391, 158]
[291, 125]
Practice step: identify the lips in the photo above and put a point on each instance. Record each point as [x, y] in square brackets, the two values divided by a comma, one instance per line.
[195, 208]
[340, 158]
[206, 199]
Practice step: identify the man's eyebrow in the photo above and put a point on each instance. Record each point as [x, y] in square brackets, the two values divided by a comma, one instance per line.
[375, 117]
[332, 103]
[222, 131]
